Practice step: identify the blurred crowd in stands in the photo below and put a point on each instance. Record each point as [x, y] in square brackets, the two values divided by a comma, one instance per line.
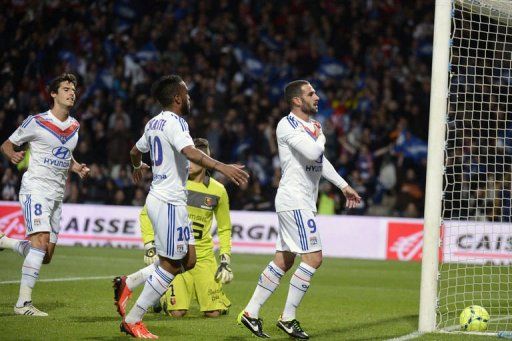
[368, 60]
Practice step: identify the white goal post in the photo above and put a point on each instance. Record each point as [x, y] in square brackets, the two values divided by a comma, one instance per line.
[467, 249]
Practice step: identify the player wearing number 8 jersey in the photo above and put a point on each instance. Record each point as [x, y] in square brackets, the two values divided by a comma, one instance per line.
[51, 137]
[301, 146]
[166, 137]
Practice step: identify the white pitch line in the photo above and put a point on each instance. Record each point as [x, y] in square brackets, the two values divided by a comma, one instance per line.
[64, 279]
[450, 330]
[410, 336]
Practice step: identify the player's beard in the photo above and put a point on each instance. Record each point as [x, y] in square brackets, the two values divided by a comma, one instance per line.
[185, 108]
[308, 109]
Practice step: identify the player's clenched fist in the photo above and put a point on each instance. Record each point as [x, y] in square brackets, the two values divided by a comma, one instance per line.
[17, 157]
[81, 169]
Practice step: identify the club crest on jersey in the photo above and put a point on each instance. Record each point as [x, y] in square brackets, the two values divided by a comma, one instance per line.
[61, 153]
[208, 201]
[313, 241]
[179, 248]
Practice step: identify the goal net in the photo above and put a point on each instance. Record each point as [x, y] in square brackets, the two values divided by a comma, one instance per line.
[476, 252]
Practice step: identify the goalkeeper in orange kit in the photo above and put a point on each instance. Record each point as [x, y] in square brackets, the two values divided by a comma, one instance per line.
[206, 197]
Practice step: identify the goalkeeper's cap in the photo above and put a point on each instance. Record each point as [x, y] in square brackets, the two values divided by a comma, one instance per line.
[202, 144]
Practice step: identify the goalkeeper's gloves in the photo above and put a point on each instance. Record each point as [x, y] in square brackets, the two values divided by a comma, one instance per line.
[224, 273]
[150, 255]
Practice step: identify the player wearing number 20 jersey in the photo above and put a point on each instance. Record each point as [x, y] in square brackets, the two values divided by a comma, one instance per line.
[164, 137]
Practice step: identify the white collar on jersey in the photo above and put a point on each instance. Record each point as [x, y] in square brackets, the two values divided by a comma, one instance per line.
[57, 121]
[300, 120]
[170, 112]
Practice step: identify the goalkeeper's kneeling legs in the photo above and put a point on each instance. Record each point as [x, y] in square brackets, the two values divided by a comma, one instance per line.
[215, 313]
[178, 313]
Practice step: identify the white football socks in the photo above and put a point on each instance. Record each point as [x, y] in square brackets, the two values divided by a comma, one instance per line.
[30, 274]
[267, 284]
[17, 245]
[22, 248]
[299, 284]
[155, 287]
[139, 277]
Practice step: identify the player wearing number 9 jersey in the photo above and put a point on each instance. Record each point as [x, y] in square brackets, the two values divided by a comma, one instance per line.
[301, 152]
[166, 137]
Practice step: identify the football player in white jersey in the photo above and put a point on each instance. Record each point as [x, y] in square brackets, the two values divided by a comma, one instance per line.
[301, 151]
[51, 137]
[166, 137]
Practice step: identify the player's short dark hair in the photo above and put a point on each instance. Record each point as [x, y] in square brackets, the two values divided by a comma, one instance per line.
[164, 89]
[65, 77]
[202, 145]
[293, 89]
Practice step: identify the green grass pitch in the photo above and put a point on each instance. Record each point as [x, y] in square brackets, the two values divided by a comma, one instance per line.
[348, 300]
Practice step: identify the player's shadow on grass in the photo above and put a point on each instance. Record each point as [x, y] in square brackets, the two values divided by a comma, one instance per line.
[342, 333]
[108, 338]
[89, 319]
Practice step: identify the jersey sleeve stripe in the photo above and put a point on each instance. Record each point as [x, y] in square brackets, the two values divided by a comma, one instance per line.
[183, 124]
[292, 122]
[27, 121]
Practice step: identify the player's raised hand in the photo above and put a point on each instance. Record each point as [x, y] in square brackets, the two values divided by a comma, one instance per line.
[17, 157]
[81, 169]
[353, 199]
[234, 172]
[139, 172]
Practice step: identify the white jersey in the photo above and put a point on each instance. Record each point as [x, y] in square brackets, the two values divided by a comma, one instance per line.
[51, 143]
[301, 152]
[165, 135]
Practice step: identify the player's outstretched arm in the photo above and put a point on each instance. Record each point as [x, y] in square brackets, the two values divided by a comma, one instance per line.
[234, 173]
[138, 166]
[79, 168]
[8, 150]
[328, 172]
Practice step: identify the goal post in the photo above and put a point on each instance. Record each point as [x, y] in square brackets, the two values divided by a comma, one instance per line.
[468, 201]
[435, 168]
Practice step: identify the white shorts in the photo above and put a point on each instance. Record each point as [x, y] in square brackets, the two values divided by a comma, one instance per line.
[41, 215]
[298, 232]
[173, 232]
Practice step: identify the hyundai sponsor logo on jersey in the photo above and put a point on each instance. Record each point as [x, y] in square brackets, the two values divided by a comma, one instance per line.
[61, 153]
[63, 156]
